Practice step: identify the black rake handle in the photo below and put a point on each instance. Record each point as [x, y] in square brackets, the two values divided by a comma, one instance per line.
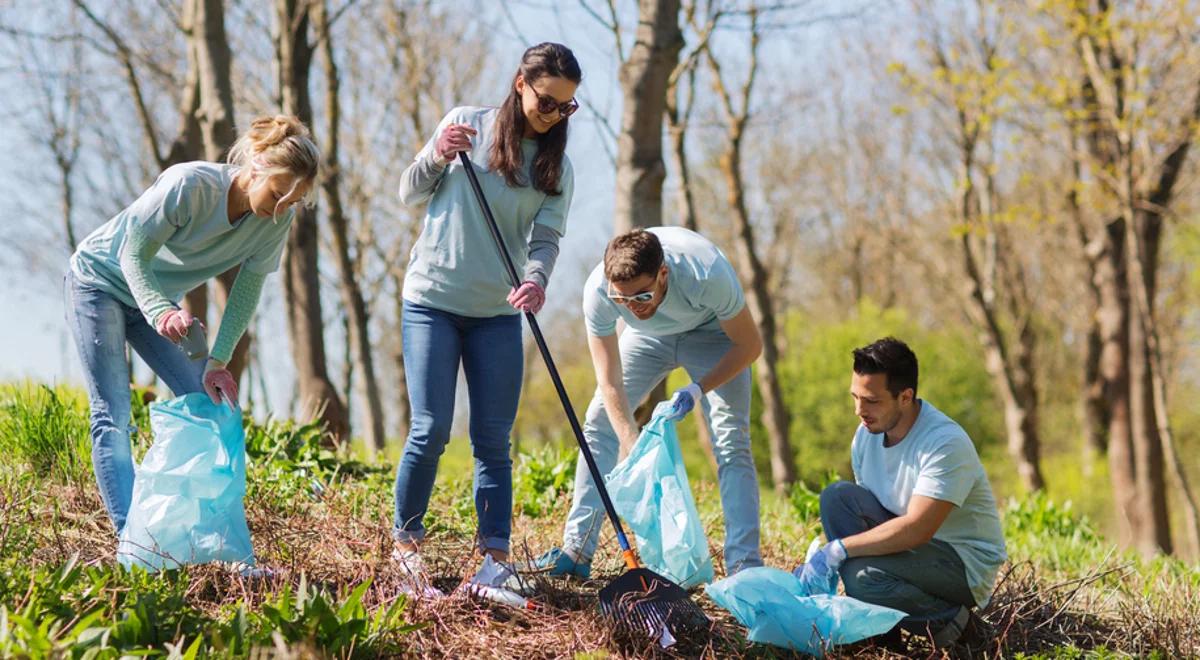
[515, 279]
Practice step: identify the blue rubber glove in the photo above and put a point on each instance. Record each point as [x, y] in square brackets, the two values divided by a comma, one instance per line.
[683, 401]
[819, 575]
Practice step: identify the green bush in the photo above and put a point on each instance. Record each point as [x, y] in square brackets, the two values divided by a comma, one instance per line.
[96, 612]
[452, 508]
[1036, 515]
[346, 629]
[541, 478]
[806, 501]
[289, 459]
[107, 612]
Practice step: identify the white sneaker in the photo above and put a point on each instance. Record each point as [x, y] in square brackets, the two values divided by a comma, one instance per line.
[498, 582]
[414, 580]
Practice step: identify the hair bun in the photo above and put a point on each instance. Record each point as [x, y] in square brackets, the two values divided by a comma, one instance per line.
[270, 131]
[278, 143]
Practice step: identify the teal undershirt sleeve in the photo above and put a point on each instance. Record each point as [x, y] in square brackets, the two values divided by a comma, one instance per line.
[243, 300]
[136, 254]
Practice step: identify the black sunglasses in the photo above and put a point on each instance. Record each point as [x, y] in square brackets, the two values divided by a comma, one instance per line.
[547, 104]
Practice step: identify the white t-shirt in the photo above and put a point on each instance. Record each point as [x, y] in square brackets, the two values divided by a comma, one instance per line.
[937, 459]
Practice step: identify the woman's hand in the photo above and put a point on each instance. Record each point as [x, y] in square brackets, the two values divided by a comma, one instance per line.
[174, 324]
[218, 382]
[529, 297]
[453, 139]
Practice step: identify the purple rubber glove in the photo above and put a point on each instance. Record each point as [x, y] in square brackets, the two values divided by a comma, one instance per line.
[529, 297]
[173, 324]
[683, 401]
[453, 139]
[819, 575]
[219, 382]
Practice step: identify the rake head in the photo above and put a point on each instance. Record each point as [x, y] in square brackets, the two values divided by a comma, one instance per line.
[645, 602]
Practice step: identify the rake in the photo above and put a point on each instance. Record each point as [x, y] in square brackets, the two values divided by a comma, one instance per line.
[640, 599]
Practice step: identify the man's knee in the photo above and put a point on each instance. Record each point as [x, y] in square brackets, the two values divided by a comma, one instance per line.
[869, 584]
[838, 495]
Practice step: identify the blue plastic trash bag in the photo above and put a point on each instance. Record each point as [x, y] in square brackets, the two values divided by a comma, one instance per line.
[187, 493]
[650, 491]
[777, 609]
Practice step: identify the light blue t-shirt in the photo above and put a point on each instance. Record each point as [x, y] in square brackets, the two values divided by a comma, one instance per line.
[454, 265]
[937, 459]
[186, 212]
[702, 290]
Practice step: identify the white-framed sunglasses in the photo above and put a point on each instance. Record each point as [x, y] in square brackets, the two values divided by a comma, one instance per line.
[643, 297]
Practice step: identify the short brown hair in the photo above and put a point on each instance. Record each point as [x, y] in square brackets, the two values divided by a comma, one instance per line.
[631, 255]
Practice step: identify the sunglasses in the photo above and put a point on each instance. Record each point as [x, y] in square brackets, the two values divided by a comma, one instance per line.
[547, 104]
[642, 297]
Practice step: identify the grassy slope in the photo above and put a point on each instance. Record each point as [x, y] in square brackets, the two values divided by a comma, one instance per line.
[324, 523]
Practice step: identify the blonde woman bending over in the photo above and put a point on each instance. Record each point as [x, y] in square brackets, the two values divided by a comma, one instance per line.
[198, 220]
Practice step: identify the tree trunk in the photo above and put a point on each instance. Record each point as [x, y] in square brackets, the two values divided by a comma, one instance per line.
[1093, 411]
[776, 418]
[68, 202]
[1192, 519]
[1010, 365]
[1113, 316]
[677, 129]
[302, 286]
[1106, 50]
[1011, 368]
[403, 405]
[1147, 444]
[347, 367]
[640, 169]
[353, 301]
[216, 86]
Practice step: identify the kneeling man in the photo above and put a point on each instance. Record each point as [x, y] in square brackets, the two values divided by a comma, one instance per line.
[918, 531]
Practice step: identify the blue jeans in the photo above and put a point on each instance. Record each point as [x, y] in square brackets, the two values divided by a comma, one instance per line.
[929, 582]
[101, 325]
[491, 353]
[645, 361]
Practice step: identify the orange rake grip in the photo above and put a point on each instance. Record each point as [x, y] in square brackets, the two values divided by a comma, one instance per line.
[631, 560]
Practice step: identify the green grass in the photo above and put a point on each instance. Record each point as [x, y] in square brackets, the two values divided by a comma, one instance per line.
[322, 517]
[45, 428]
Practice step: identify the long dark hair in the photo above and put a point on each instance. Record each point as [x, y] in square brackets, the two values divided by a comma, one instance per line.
[544, 59]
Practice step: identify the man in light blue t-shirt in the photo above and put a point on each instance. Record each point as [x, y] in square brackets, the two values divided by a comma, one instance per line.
[682, 305]
[919, 530]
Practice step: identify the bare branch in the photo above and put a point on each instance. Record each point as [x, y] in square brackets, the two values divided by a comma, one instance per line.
[611, 24]
[124, 56]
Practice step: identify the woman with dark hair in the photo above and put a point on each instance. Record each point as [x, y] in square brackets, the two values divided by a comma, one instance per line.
[458, 308]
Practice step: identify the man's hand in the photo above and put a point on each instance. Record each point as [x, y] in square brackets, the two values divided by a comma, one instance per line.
[683, 401]
[819, 575]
